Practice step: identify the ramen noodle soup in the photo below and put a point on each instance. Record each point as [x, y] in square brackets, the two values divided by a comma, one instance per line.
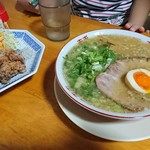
[88, 59]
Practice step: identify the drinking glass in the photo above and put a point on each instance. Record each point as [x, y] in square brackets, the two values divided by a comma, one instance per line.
[56, 18]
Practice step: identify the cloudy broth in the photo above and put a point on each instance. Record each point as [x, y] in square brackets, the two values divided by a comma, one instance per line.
[87, 90]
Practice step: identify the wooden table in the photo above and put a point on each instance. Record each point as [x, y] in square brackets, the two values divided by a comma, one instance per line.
[30, 117]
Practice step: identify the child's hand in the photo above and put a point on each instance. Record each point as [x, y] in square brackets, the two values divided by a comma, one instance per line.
[134, 27]
[28, 7]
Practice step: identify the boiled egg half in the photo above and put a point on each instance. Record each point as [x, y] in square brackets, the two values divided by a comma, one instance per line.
[139, 80]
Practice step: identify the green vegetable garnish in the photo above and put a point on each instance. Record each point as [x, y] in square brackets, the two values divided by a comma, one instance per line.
[83, 63]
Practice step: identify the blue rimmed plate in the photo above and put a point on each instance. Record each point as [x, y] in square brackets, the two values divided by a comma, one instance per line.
[32, 50]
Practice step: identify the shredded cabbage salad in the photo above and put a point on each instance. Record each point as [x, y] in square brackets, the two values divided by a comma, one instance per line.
[8, 40]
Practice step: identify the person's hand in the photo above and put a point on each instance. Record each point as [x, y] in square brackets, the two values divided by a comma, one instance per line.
[28, 7]
[135, 27]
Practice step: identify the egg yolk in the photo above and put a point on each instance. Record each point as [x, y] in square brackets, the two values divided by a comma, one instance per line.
[143, 80]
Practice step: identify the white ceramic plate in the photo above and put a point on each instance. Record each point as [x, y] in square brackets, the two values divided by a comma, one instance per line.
[64, 85]
[107, 128]
[32, 50]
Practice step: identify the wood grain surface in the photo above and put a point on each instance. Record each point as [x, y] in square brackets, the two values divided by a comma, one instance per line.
[30, 118]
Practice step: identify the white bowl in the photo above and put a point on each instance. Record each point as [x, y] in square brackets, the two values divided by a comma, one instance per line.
[64, 85]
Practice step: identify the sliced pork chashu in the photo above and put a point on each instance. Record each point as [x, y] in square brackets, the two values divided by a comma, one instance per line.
[112, 84]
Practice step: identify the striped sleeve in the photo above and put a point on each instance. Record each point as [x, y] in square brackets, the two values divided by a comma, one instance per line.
[102, 10]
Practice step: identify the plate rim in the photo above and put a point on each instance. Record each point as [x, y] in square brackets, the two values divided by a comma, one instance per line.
[100, 126]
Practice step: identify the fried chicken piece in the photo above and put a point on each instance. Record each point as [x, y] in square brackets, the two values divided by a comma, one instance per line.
[11, 64]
